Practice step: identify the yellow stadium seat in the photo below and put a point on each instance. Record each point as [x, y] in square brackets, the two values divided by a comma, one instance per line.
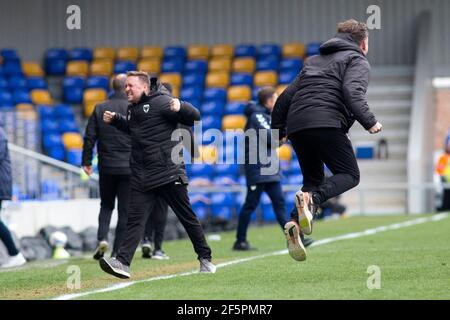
[208, 154]
[151, 66]
[88, 107]
[284, 152]
[218, 79]
[103, 67]
[222, 50]
[246, 65]
[281, 88]
[233, 122]
[173, 78]
[198, 52]
[41, 96]
[72, 140]
[176, 92]
[239, 93]
[32, 69]
[265, 78]
[127, 54]
[104, 53]
[94, 95]
[77, 68]
[24, 107]
[151, 52]
[293, 50]
[219, 64]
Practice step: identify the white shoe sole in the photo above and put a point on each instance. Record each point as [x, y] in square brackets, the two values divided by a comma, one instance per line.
[304, 215]
[295, 246]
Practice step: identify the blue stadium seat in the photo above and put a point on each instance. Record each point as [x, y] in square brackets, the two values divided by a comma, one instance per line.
[36, 83]
[194, 79]
[291, 64]
[56, 53]
[295, 179]
[18, 82]
[191, 93]
[55, 66]
[238, 79]
[3, 83]
[74, 157]
[255, 93]
[222, 205]
[226, 170]
[56, 152]
[11, 67]
[196, 66]
[201, 210]
[172, 65]
[98, 82]
[175, 51]
[124, 66]
[215, 94]
[63, 111]
[5, 98]
[52, 140]
[46, 112]
[225, 180]
[21, 96]
[245, 50]
[212, 108]
[68, 125]
[83, 54]
[269, 49]
[73, 82]
[73, 89]
[267, 63]
[286, 77]
[49, 126]
[211, 122]
[9, 54]
[201, 169]
[50, 189]
[312, 48]
[235, 108]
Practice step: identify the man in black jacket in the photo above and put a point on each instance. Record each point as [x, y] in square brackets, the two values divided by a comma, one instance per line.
[151, 118]
[258, 121]
[113, 148]
[316, 112]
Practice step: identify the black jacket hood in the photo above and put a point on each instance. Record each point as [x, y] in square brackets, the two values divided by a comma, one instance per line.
[341, 42]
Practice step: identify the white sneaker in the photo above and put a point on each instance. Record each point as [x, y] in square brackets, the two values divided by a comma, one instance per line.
[14, 261]
[206, 266]
[305, 216]
[294, 243]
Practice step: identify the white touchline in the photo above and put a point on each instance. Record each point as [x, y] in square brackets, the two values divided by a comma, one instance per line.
[347, 236]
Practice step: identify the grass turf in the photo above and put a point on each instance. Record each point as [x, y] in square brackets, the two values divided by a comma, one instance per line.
[414, 263]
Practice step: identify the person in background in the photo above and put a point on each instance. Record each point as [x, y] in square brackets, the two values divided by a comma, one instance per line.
[15, 257]
[443, 170]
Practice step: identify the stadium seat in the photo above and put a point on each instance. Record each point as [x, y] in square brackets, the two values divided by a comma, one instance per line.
[77, 68]
[124, 66]
[56, 152]
[191, 93]
[245, 50]
[12, 67]
[3, 83]
[55, 66]
[24, 107]
[198, 52]
[63, 111]
[175, 52]
[281, 88]
[238, 79]
[151, 52]
[73, 89]
[286, 77]
[173, 78]
[18, 82]
[49, 126]
[293, 49]
[215, 94]
[284, 152]
[208, 154]
[9, 54]
[127, 54]
[102, 67]
[269, 49]
[223, 205]
[68, 125]
[255, 91]
[21, 96]
[233, 122]
[151, 66]
[171, 65]
[32, 69]
[72, 140]
[312, 48]
[202, 169]
[269, 63]
[107, 53]
[219, 64]
[265, 78]
[91, 97]
[244, 65]
[41, 96]
[51, 140]
[73, 156]
[36, 83]
[222, 50]
[211, 122]
[194, 79]
[217, 79]
[56, 53]
[239, 93]
[212, 108]
[291, 64]
[89, 107]
[196, 66]
[80, 54]
[295, 179]
[98, 82]
[235, 107]
[226, 170]
[46, 112]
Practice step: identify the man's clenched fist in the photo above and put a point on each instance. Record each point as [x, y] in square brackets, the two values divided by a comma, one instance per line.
[376, 128]
[108, 116]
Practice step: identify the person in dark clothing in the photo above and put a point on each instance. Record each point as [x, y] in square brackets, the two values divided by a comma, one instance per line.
[114, 149]
[258, 119]
[151, 118]
[316, 112]
[15, 257]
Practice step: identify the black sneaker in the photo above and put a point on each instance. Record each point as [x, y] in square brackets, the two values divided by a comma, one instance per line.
[243, 246]
[307, 242]
[147, 249]
[101, 250]
[115, 267]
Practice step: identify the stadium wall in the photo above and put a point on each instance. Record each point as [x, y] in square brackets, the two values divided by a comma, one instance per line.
[32, 26]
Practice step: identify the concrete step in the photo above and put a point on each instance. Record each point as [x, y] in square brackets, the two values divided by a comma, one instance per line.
[391, 135]
[388, 93]
[390, 167]
[375, 200]
[390, 107]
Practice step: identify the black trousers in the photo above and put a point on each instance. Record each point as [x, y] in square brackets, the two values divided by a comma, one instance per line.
[112, 186]
[329, 146]
[6, 237]
[275, 193]
[156, 223]
[141, 204]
